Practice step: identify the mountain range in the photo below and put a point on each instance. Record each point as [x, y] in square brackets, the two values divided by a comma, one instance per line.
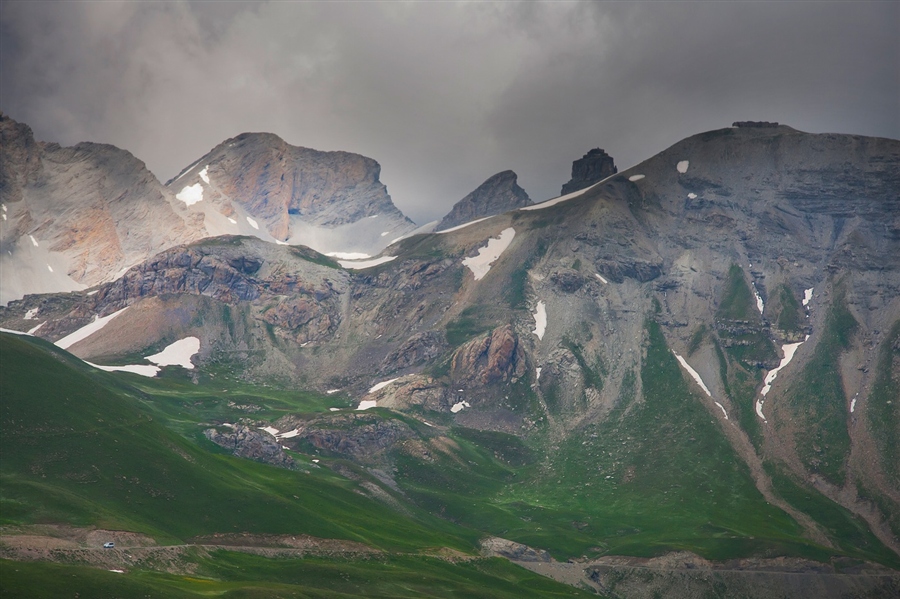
[695, 360]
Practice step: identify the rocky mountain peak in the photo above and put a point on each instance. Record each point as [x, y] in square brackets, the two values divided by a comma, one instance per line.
[594, 166]
[500, 193]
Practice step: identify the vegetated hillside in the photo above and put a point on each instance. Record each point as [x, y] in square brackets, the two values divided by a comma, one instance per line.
[712, 331]
[84, 451]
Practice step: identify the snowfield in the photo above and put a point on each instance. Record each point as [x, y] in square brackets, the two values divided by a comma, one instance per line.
[204, 174]
[789, 349]
[381, 385]
[190, 194]
[178, 353]
[759, 301]
[358, 265]
[694, 375]
[87, 330]
[458, 406]
[348, 255]
[807, 296]
[365, 405]
[481, 264]
[540, 320]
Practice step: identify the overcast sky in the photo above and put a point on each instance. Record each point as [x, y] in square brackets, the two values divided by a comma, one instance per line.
[444, 94]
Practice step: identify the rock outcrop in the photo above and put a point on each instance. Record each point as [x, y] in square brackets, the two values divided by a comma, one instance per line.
[498, 194]
[330, 201]
[496, 357]
[594, 166]
[246, 442]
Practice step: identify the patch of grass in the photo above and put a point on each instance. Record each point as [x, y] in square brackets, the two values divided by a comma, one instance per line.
[471, 322]
[310, 255]
[817, 398]
[696, 339]
[232, 574]
[883, 408]
[592, 377]
[789, 318]
[738, 302]
[850, 532]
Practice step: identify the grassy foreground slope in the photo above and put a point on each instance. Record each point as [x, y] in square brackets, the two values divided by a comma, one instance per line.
[76, 451]
[79, 450]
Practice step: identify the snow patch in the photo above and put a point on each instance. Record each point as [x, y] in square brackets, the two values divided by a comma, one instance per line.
[789, 349]
[633, 178]
[853, 404]
[381, 385]
[759, 301]
[269, 429]
[190, 194]
[34, 241]
[481, 264]
[252, 223]
[366, 263]
[232, 221]
[428, 424]
[807, 296]
[50, 268]
[456, 228]
[458, 406]
[4, 215]
[759, 412]
[334, 409]
[117, 571]
[692, 196]
[204, 174]
[365, 405]
[290, 434]
[2, 330]
[682, 166]
[693, 373]
[34, 330]
[31, 314]
[723, 410]
[3, 206]
[348, 255]
[178, 353]
[87, 330]
[332, 391]
[540, 320]
[537, 373]
[601, 278]
[384, 233]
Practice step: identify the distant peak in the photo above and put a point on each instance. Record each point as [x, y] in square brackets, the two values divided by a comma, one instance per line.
[499, 193]
[594, 166]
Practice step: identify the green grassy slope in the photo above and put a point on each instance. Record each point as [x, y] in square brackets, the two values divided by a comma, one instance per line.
[75, 450]
[236, 575]
[657, 475]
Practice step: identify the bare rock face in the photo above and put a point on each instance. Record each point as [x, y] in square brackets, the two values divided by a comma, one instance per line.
[293, 194]
[594, 166]
[418, 349]
[497, 357]
[496, 546]
[252, 444]
[77, 216]
[498, 194]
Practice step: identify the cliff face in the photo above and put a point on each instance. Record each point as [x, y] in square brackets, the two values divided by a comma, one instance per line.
[297, 195]
[78, 216]
[594, 166]
[498, 194]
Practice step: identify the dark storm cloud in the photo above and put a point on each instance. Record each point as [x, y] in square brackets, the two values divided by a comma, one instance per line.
[444, 94]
